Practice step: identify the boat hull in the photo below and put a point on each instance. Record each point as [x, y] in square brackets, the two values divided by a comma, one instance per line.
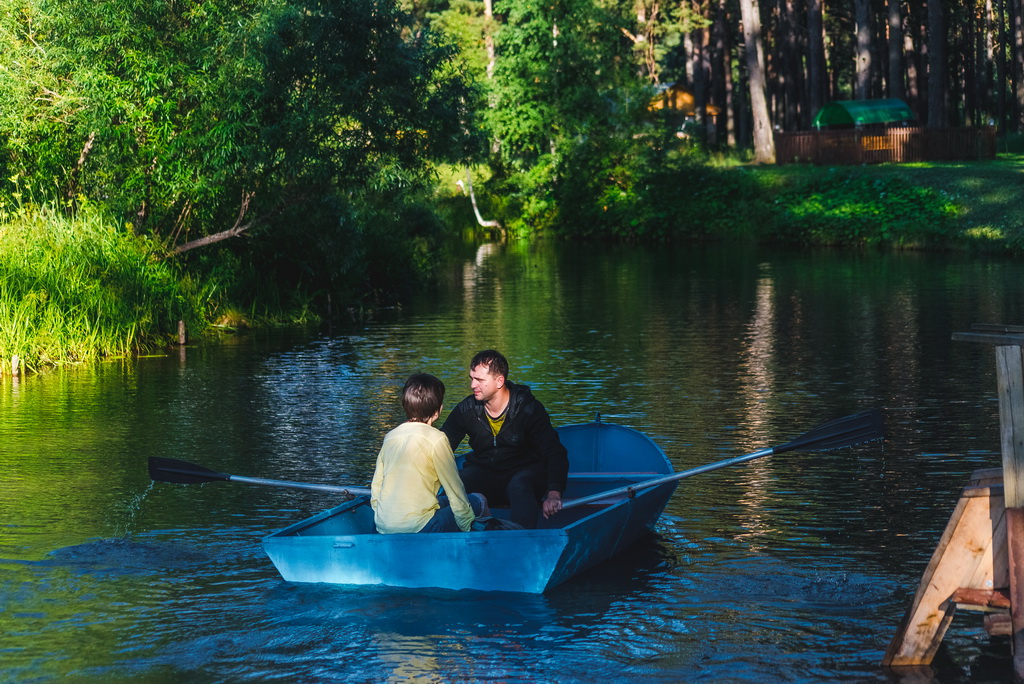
[340, 546]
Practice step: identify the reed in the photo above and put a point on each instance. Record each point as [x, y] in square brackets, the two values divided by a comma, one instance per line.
[78, 289]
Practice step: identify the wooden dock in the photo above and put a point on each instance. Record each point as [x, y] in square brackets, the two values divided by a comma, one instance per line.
[979, 561]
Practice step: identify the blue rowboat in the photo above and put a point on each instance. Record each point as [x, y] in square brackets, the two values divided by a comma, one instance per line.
[341, 545]
[619, 483]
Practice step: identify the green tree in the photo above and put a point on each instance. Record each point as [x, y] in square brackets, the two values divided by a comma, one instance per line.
[566, 94]
[37, 103]
[196, 122]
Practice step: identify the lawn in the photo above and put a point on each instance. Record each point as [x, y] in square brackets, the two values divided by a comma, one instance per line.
[988, 194]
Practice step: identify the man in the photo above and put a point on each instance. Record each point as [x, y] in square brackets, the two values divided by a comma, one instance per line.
[414, 462]
[516, 458]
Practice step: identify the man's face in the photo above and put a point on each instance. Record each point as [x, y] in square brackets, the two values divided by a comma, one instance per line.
[483, 384]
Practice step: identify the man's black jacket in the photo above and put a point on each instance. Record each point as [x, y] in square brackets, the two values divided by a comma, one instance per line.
[526, 437]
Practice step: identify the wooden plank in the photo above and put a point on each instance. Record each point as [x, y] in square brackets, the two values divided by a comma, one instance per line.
[1015, 543]
[997, 327]
[989, 338]
[998, 624]
[992, 570]
[983, 598]
[986, 476]
[984, 491]
[963, 558]
[1010, 380]
[1000, 559]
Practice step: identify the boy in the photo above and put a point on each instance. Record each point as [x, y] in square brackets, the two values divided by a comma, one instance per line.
[414, 462]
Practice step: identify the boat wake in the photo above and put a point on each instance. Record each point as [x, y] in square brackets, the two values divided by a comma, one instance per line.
[123, 556]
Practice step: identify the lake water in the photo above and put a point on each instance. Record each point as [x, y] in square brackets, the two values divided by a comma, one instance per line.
[792, 568]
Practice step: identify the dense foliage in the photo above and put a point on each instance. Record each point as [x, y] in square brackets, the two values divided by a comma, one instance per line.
[198, 122]
[302, 123]
[836, 208]
[76, 289]
[578, 148]
[293, 151]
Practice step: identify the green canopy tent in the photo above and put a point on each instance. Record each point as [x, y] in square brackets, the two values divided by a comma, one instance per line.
[851, 113]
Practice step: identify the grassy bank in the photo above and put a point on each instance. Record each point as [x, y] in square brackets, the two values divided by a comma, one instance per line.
[82, 288]
[967, 205]
[679, 195]
[73, 290]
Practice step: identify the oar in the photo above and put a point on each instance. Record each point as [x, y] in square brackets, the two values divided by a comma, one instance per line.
[842, 432]
[172, 470]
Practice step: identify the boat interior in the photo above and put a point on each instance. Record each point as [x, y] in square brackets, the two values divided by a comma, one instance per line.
[602, 457]
[356, 517]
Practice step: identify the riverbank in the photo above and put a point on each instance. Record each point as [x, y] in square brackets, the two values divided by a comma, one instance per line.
[76, 289]
[79, 289]
[973, 205]
[681, 196]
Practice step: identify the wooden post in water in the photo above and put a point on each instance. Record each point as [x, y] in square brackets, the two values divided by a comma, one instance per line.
[979, 562]
[1010, 377]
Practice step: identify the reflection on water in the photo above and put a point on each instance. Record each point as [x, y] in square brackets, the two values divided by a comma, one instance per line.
[795, 567]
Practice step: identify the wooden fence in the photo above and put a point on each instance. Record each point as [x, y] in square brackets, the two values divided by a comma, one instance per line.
[885, 145]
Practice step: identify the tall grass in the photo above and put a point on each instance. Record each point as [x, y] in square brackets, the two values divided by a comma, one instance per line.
[77, 289]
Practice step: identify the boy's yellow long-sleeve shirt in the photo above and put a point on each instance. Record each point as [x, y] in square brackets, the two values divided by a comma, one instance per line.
[414, 462]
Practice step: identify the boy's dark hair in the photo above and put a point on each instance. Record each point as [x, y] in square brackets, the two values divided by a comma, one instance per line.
[495, 363]
[422, 396]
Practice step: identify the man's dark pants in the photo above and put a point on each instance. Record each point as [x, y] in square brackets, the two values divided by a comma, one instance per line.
[521, 490]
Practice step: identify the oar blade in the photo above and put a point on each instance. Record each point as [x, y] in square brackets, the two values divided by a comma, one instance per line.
[181, 472]
[858, 428]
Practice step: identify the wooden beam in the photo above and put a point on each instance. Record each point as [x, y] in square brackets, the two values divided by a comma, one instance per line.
[995, 599]
[964, 558]
[1015, 542]
[990, 338]
[1010, 381]
[997, 327]
[998, 624]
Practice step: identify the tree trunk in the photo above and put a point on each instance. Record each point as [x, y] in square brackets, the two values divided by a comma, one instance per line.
[721, 72]
[968, 60]
[688, 59]
[936, 65]
[916, 74]
[1001, 67]
[698, 41]
[489, 37]
[212, 239]
[833, 68]
[741, 113]
[791, 65]
[764, 145]
[986, 60]
[911, 92]
[233, 231]
[706, 120]
[895, 44]
[815, 56]
[644, 40]
[1018, 55]
[862, 18]
[492, 96]
[484, 223]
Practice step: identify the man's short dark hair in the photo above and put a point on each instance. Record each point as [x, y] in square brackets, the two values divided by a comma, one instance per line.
[492, 360]
[422, 396]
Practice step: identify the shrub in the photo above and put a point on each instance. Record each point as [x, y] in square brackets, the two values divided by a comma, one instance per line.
[841, 208]
[79, 288]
